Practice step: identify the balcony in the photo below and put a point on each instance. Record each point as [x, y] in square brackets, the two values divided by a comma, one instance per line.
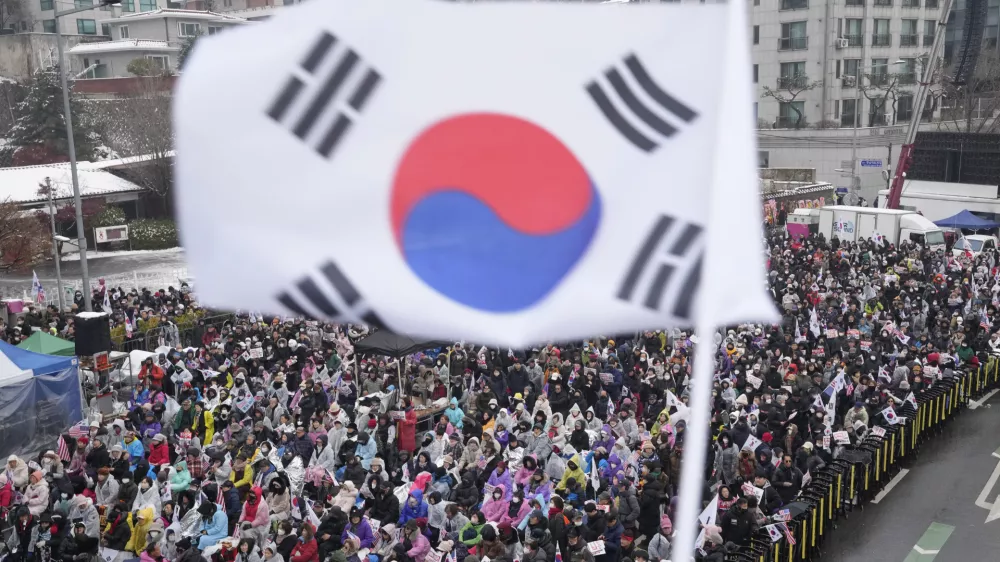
[931, 4]
[793, 43]
[928, 40]
[883, 3]
[878, 78]
[908, 40]
[854, 2]
[794, 4]
[881, 39]
[910, 3]
[907, 78]
[849, 81]
[855, 40]
[904, 114]
[793, 82]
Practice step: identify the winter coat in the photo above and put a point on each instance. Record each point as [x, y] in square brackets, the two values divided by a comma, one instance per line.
[407, 431]
[383, 507]
[466, 494]
[362, 530]
[519, 515]
[502, 480]
[180, 479]
[106, 492]
[346, 497]
[305, 551]
[36, 497]
[410, 512]
[216, 529]
[420, 546]
[262, 517]
[494, 509]
[576, 474]
[628, 507]
[726, 469]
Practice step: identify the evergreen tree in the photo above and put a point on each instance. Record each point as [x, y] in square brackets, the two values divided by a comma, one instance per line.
[39, 133]
[185, 51]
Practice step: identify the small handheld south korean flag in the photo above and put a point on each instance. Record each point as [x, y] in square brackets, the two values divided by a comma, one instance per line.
[373, 172]
[890, 415]
[774, 532]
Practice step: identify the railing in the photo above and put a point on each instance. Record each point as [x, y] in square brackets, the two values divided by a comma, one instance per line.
[881, 39]
[793, 43]
[794, 4]
[855, 40]
[910, 3]
[878, 78]
[928, 40]
[797, 81]
[854, 3]
[188, 335]
[849, 81]
[908, 40]
[907, 78]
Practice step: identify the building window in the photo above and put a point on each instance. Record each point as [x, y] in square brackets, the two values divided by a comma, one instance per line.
[880, 72]
[794, 4]
[46, 5]
[160, 61]
[930, 27]
[855, 2]
[911, 3]
[876, 112]
[49, 26]
[908, 71]
[793, 36]
[123, 32]
[763, 159]
[188, 29]
[147, 5]
[904, 108]
[793, 75]
[851, 68]
[848, 111]
[854, 32]
[881, 37]
[883, 2]
[128, 5]
[908, 33]
[756, 35]
[83, 3]
[213, 29]
[791, 114]
[86, 27]
[227, 3]
[931, 4]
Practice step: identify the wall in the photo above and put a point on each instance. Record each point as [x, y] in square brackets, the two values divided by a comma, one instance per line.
[116, 87]
[152, 29]
[24, 53]
[117, 62]
[827, 150]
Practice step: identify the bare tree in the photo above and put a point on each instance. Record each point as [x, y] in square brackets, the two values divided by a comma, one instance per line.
[788, 90]
[13, 11]
[973, 107]
[138, 127]
[882, 92]
[24, 240]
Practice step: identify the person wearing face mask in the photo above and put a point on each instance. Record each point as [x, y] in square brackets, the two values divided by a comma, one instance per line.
[738, 524]
[726, 456]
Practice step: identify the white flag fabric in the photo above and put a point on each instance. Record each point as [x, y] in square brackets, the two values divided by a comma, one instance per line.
[774, 532]
[912, 400]
[890, 415]
[707, 517]
[751, 443]
[411, 184]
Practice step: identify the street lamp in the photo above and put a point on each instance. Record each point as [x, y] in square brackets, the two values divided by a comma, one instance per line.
[80, 233]
[858, 82]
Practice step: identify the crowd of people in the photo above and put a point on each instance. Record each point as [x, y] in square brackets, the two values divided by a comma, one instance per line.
[274, 441]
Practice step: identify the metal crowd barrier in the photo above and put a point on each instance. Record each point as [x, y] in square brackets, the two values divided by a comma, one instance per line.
[862, 471]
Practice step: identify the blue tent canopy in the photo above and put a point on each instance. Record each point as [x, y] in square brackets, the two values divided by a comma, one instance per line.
[40, 398]
[967, 220]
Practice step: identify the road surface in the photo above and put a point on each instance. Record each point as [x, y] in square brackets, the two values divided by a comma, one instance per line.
[931, 513]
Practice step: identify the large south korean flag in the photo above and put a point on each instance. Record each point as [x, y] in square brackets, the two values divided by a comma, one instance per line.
[506, 173]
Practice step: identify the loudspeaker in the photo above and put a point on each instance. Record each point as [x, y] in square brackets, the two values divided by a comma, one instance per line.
[93, 333]
[972, 40]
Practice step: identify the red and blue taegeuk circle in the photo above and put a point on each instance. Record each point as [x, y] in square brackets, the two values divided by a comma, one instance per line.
[492, 211]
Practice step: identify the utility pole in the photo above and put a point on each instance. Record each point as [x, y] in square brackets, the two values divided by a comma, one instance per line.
[55, 244]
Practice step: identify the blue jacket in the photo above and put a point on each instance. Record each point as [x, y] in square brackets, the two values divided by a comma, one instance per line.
[409, 512]
[215, 529]
[455, 414]
[363, 531]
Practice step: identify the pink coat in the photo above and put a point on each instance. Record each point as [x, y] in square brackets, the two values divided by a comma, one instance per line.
[421, 546]
[521, 514]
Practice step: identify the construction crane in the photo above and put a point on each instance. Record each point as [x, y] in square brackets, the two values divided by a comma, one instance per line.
[906, 151]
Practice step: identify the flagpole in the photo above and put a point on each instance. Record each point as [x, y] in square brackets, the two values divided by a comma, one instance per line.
[695, 444]
[55, 245]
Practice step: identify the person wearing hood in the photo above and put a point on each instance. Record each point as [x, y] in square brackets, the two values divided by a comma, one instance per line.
[384, 548]
[605, 438]
[106, 489]
[366, 449]
[574, 471]
[180, 479]
[538, 444]
[17, 472]
[383, 505]
[159, 450]
[83, 508]
[659, 544]
[117, 531]
[323, 460]
[579, 439]
[496, 505]
[517, 510]
[454, 414]
[346, 497]
[501, 477]
[418, 543]
[214, 525]
[139, 523]
[278, 499]
[726, 469]
[407, 429]
[255, 518]
[359, 527]
[147, 495]
[270, 553]
[414, 508]
[466, 494]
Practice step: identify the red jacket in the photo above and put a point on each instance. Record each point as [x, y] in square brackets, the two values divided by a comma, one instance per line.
[159, 453]
[407, 429]
[305, 552]
[156, 372]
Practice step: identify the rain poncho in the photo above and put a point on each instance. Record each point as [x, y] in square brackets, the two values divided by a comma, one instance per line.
[576, 473]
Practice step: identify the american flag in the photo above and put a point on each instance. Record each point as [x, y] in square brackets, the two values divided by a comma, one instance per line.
[79, 430]
[63, 449]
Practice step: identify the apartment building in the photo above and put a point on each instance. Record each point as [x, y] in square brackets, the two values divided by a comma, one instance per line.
[156, 35]
[39, 16]
[831, 62]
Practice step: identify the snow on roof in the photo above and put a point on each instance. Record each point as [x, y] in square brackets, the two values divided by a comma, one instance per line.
[20, 185]
[175, 13]
[123, 162]
[122, 45]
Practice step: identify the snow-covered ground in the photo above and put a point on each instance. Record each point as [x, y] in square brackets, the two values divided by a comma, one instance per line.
[94, 255]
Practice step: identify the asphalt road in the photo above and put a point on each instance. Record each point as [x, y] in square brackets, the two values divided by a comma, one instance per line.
[933, 507]
[166, 262]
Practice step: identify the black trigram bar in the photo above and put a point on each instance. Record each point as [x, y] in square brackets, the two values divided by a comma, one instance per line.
[675, 258]
[313, 290]
[637, 109]
[324, 92]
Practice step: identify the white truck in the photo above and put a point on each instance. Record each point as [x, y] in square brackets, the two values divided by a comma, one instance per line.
[851, 224]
